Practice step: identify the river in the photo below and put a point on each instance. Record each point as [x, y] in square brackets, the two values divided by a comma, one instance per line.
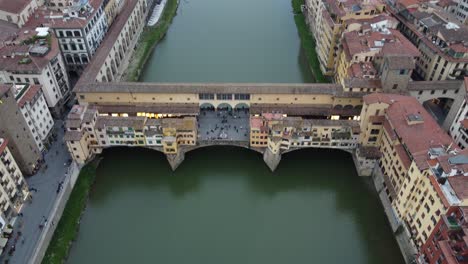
[223, 205]
[230, 41]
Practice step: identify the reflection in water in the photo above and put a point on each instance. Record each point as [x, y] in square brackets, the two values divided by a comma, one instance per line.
[230, 41]
[223, 205]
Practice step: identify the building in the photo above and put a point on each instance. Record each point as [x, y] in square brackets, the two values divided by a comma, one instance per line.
[58, 5]
[89, 132]
[26, 122]
[440, 37]
[280, 133]
[33, 57]
[414, 151]
[461, 11]
[447, 243]
[328, 19]
[17, 11]
[108, 64]
[80, 29]
[13, 188]
[364, 52]
[459, 128]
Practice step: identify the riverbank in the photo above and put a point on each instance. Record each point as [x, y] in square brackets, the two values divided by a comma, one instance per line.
[68, 225]
[148, 40]
[307, 41]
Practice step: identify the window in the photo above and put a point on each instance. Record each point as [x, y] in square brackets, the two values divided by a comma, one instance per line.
[224, 96]
[402, 72]
[395, 86]
[206, 96]
[242, 96]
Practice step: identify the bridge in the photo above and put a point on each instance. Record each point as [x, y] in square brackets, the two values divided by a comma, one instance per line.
[130, 105]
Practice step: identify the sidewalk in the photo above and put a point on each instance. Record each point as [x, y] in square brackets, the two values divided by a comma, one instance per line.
[38, 212]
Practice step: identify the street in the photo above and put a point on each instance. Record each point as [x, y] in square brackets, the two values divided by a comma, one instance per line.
[36, 214]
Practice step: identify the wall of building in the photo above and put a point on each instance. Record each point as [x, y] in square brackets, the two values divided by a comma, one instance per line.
[19, 18]
[21, 140]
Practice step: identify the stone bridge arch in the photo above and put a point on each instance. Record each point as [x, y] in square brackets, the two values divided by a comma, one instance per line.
[272, 160]
[450, 93]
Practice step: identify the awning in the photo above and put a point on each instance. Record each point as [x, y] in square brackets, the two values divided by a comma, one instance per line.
[3, 242]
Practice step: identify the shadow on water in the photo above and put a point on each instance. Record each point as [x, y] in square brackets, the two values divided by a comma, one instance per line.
[308, 170]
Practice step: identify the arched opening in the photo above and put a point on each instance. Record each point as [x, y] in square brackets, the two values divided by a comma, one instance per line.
[338, 107]
[348, 107]
[439, 108]
[207, 107]
[224, 107]
[241, 106]
[77, 59]
[109, 75]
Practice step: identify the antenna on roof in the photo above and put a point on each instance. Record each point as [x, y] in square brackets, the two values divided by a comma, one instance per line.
[448, 148]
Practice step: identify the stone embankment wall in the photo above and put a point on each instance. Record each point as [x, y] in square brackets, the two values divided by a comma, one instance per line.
[401, 234]
[56, 214]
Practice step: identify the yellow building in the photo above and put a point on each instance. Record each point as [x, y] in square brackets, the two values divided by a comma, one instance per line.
[89, 132]
[329, 19]
[258, 132]
[281, 133]
[413, 146]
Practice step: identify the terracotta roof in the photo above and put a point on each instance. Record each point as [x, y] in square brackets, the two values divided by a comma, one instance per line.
[434, 85]
[111, 121]
[48, 18]
[400, 62]
[180, 124]
[13, 6]
[29, 95]
[362, 83]
[383, 98]
[403, 155]
[459, 185]
[8, 62]
[72, 136]
[251, 88]
[418, 137]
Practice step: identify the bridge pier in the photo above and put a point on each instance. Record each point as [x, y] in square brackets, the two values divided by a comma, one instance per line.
[272, 160]
[175, 159]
